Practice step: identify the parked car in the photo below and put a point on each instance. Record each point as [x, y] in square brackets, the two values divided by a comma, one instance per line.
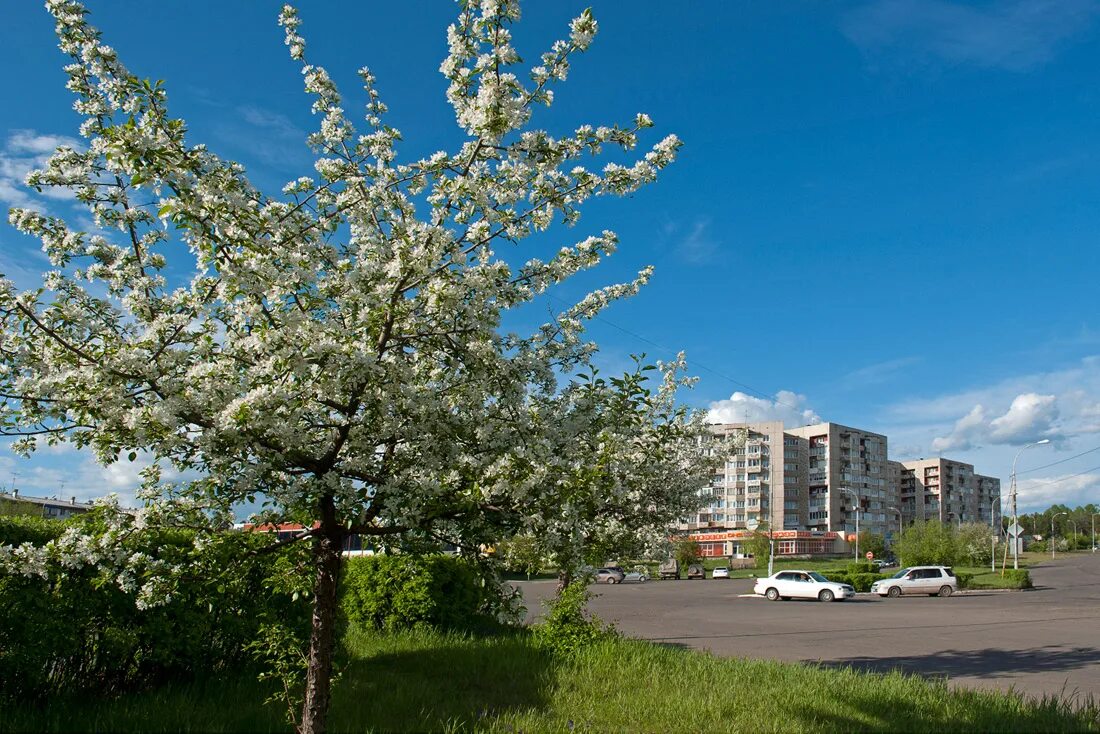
[670, 569]
[637, 576]
[696, 571]
[802, 585]
[930, 580]
[720, 573]
[612, 575]
[883, 563]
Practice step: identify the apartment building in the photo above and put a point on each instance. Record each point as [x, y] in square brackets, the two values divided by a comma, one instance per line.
[847, 468]
[812, 479]
[758, 484]
[948, 491]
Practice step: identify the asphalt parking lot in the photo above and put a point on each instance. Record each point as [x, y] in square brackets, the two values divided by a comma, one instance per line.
[1042, 641]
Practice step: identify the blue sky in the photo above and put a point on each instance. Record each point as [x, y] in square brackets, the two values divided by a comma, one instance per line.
[885, 213]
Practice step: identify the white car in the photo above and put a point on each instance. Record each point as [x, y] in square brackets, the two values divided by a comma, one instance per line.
[720, 573]
[930, 580]
[802, 585]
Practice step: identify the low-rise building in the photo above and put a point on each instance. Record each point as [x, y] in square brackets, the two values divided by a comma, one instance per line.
[48, 507]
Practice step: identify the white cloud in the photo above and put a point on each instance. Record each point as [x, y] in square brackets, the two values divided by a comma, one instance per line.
[65, 471]
[968, 430]
[1038, 494]
[1029, 418]
[878, 373]
[788, 407]
[1014, 35]
[23, 151]
[987, 426]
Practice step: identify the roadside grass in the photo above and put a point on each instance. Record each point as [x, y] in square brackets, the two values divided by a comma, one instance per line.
[423, 681]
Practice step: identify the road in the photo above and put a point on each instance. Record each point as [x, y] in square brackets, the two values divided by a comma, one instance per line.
[1045, 641]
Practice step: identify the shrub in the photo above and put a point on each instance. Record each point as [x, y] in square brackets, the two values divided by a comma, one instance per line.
[1018, 578]
[964, 579]
[568, 626]
[861, 567]
[405, 592]
[81, 629]
[862, 581]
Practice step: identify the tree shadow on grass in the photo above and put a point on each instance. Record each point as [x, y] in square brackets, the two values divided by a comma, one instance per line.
[451, 684]
[863, 707]
[989, 663]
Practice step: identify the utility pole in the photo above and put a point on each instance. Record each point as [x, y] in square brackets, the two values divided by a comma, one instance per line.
[1015, 518]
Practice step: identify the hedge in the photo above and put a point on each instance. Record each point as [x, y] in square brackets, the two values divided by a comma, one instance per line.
[78, 630]
[405, 592]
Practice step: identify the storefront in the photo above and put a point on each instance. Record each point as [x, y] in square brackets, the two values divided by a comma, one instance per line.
[734, 543]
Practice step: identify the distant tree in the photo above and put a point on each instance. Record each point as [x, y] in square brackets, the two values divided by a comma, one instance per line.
[972, 544]
[759, 545]
[522, 554]
[687, 551]
[15, 507]
[872, 542]
[927, 542]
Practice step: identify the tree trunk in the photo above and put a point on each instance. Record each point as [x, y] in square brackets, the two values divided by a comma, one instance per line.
[322, 638]
[565, 578]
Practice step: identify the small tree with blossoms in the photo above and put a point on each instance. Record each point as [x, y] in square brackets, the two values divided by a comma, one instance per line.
[337, 355]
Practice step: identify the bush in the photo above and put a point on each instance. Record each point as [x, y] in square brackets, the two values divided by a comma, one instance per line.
[81, 629]
[568, 626]
[964, 579]
[406, 592]
[1018, 578]
[861, 567]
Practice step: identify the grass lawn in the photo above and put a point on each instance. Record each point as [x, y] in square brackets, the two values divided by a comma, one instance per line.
[438, 682]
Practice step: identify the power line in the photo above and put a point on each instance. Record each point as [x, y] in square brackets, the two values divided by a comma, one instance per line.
[695, 363]
[1063, 479]
[1055, 463]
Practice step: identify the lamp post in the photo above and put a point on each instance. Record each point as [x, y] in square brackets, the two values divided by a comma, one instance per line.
[842, 489]
[1094, 531]
[993, 532]
[1052, 531]
[1015, 539]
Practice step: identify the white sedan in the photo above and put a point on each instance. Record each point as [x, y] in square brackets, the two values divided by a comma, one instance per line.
[802, 585]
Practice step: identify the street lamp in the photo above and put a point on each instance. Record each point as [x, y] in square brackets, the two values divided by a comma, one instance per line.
[842, 489]
[994, 532]
[1094, 531]
[1052, 531]
[1015, 539]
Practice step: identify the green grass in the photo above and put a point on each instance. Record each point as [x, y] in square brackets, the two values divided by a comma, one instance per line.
[436, 682]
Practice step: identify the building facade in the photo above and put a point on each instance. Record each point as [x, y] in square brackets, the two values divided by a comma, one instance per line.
[50, 508]
[948, 491]
[753, 487]
[847, 472]
[815, 479]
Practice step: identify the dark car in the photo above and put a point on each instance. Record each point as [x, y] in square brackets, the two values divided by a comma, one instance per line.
[696, 571]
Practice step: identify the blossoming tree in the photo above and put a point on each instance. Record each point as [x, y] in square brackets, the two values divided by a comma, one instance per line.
[338, 355]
